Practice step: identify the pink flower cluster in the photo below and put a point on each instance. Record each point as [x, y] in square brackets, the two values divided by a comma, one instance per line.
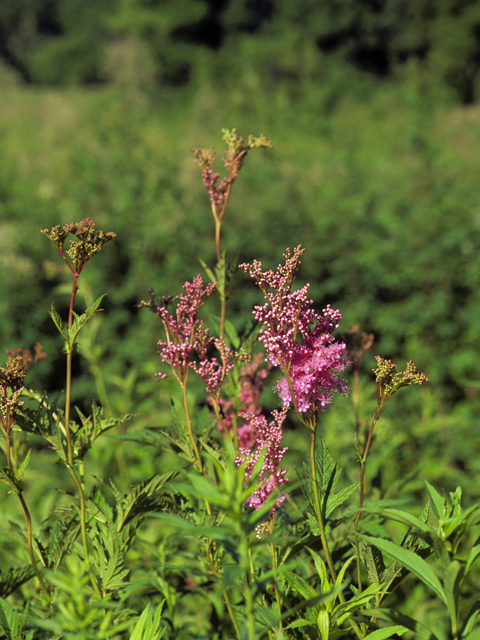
[186, 335]
[183, 330]
[267, 443]
[312, 367]
[252, 384]
[213, 372]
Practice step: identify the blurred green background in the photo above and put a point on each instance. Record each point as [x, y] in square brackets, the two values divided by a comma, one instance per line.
[372, 107]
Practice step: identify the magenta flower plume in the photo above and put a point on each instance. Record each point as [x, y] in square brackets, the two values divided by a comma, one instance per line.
[314, 373]
[297, 339]
[271, 476]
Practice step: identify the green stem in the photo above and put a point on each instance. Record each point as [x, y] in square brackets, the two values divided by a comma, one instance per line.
[277, 595]
[318, 508]
[28, 520]
[223, 311]
[68, 395]
[68, 391]
[231, 612]
[321, 528]
[189, 427]
[249, 603]
[83, 527]
[363, 461]
[192, 437]
[225, 592]
[218, 225]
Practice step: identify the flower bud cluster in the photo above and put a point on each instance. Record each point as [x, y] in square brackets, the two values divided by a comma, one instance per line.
[235, 154]
[88, 243]
[389, 380]
[11, 386]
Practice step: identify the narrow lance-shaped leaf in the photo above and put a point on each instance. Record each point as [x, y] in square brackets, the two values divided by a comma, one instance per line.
[390, 615]
[470, 619]
[452, 580]
[387, 632]
[24, 465]
[436, 501]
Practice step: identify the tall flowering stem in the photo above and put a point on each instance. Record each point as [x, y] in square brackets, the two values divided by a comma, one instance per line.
[235, 154]
[186, 336]
[220, 190]
[11, 386]
[87, 242]
[388, 382]
[299, 341]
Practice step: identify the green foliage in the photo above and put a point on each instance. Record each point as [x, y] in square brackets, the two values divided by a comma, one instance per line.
[131, 521]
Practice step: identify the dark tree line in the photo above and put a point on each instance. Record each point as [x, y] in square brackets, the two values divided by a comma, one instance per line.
[64, 41]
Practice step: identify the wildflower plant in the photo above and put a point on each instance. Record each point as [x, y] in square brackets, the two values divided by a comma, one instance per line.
[232, 544]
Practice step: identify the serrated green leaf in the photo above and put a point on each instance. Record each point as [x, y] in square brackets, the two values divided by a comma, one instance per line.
[208, 271]
[410, 561]
[7, 476]
[147, 626]
[322, 571]
[59, 322]
[374, 562]
[81, 321]
[339, 498]
[232, 335]
[135, 502]
[313, 524]
[111, 561]
[62, 536]
[327, 473]
[8, 620]
[10, 581]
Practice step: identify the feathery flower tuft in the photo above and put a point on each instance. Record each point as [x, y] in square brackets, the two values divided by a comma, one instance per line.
[311, 367]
